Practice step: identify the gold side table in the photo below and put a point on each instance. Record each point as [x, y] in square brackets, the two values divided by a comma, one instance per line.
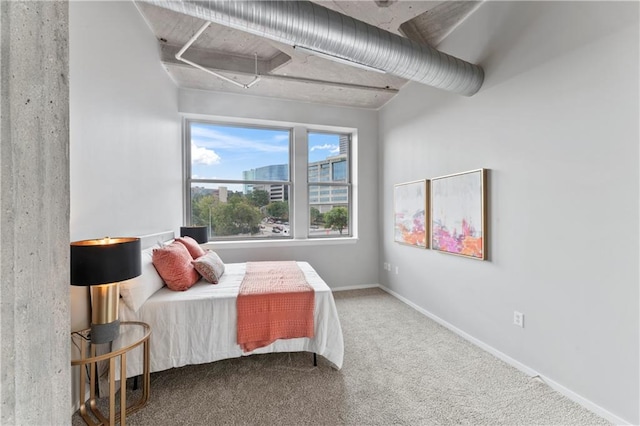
[137, 331]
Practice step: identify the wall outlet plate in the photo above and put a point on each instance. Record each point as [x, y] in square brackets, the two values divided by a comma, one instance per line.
[518, 319]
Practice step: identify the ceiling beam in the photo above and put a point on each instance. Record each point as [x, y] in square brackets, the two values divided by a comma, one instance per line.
[436, 24]
[223, 61]
[173, 62]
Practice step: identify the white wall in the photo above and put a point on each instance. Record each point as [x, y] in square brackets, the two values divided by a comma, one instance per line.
[557, 124]
[125, 151]
[340, 265]
[125, 130]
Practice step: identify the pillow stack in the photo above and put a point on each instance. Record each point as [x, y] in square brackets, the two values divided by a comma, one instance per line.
[173, 263]
[181, 263]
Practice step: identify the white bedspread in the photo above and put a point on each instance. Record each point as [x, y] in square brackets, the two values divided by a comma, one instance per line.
[199, 325]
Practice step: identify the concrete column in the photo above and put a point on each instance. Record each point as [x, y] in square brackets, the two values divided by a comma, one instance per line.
[34, 213]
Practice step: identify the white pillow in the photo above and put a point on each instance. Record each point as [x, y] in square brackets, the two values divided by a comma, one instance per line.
[137, 290]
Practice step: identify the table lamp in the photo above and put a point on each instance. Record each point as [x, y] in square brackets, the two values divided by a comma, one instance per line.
[198, 233]
[102, 264]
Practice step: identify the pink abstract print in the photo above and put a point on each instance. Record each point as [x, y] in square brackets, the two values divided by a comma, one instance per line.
[415, 232]
[458, 214]
[467, 242]
[410, 219]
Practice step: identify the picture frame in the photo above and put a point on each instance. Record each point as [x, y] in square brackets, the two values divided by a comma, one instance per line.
[411, 225]
[458, 214]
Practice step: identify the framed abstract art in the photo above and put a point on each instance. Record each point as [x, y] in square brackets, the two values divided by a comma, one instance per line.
[458, 214]
[410, 213]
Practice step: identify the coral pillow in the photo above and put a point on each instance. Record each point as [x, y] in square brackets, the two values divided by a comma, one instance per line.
[210, 266]
[192, 245]
[173, 263]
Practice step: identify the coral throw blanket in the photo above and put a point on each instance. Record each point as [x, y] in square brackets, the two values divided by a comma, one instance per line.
[275, 301]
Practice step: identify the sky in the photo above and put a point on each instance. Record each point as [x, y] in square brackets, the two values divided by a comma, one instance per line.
[224, 152]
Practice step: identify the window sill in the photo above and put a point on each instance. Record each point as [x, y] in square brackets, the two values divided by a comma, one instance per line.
[280, 243]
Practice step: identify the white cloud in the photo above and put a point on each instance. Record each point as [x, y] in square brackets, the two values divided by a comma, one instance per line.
[331, 148]
[202, 155]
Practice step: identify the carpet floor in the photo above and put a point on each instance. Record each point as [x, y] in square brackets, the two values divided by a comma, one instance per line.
[400, 368]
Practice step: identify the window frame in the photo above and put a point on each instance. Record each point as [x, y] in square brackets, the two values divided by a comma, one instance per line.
[331, 184]
[299, 206]
[188, 180]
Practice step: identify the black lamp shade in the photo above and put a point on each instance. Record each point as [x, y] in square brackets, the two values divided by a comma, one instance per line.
[105, 261]
[198, 233]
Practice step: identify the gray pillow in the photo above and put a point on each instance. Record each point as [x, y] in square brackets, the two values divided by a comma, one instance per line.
[210, 266]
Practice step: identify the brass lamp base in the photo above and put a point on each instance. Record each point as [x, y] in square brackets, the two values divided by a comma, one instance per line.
[105, 325]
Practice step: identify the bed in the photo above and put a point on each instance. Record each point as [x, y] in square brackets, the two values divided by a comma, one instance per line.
[199, 325]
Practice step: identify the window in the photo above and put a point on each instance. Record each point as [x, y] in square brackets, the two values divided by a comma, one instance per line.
[240, 181]
[328, 182]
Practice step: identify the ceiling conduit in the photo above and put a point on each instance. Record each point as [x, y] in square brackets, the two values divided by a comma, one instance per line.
[312, 27]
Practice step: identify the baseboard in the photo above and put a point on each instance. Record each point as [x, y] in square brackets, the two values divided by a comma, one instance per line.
[355, 287]
[589, 405]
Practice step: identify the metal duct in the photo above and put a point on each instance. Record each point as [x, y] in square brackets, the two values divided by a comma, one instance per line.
[314, 27]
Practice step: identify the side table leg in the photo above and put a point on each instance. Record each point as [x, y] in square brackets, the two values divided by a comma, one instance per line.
[93, 386]
[146, 371]
[112, 391]
[123, 389]
[83, 379]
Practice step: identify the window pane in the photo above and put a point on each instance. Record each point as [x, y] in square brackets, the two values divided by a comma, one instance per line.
[251, 211]
[328, 157]
[329, 211]
[339, 171]
[239, 153]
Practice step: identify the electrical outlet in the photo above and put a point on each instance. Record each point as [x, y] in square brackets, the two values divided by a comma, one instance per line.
[518, 319]
[397, 270]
